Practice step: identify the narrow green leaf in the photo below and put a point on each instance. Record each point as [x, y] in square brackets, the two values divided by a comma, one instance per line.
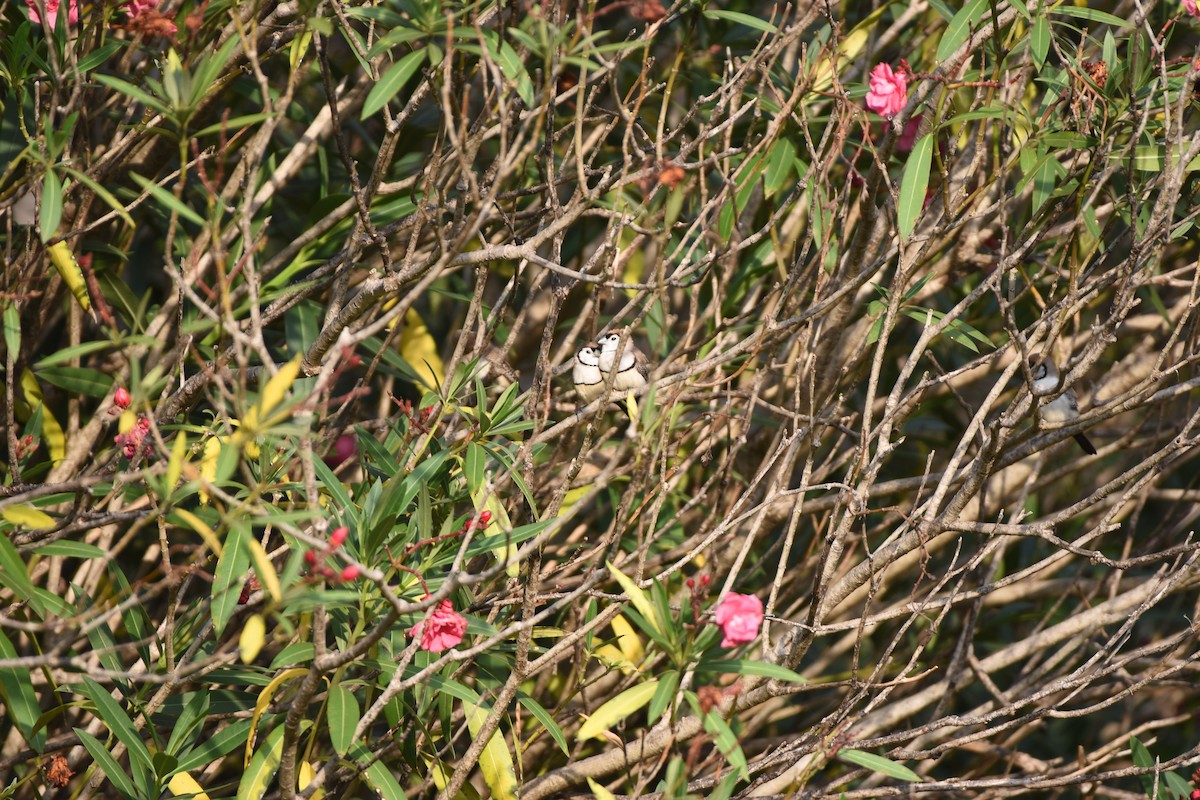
[52, 206]
[70, 549]
[129, 90]
[378, 776]
[211, 748]
[749, 667]
[100, 55]
[108, 765]
[78, 380]
[110, 711]
[233, 124]
[103, 194]
[392, 82]
[261, 769]
[12, 329]
[20, 699]
[913, 185]
[741, 19]
[884, 766]
[641, 601]
[668, 684]
[231, 568]
[781, 161]
[473, 464]
[965, 21]
[1090, 14]
[343, 716]
[1039, 42]
[727, 742]
[168, 200]
[543, 716]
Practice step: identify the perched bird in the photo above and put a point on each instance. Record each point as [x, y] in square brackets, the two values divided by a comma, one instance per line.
[632, 371]
[1063, 408]
[589, 380]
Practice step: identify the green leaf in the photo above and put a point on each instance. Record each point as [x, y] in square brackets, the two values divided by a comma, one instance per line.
[668, 684]
[12, 329]
[1039, 42]
[70, 549]
[78, 380]
[741, 19]
[510, 65]
[781, 161]
[1090, 14]
[726, 741]
[52, 206]
[913, 185]
[543, 716]
[108, 765]
[188, 724]
[261, 770]
[965, 21]
[20, 699]
[213, 747]
[12, 569]
[343, 716]
[168, 200]
[473, 465]
[378, 776]
[110, 711]
[100, 55]
[749, 667]
[129, 90]
[627, 702]
[392, 82]
[1142, 759]
[231, 568]
[495, 762]
[879, 764]
[233, 124]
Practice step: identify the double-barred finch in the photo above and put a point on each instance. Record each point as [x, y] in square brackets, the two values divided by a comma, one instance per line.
[1063, 408]
[631, 371]
[589, 380]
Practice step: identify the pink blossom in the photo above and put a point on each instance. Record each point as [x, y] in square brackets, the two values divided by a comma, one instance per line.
[1190, 7]
[889, 90]
[132, 441]
[739, 616]
[442, 630]
[907, 138]
[52, 11]
[145, 17]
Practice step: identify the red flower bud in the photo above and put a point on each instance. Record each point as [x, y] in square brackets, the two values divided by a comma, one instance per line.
[350, 572]
[338, 536]
[311, 557]
[121, 398]
[485, 518]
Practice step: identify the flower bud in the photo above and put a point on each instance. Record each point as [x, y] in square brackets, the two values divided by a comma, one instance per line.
[311, 557]
[338, 536]
[350, 572]
[121, 398]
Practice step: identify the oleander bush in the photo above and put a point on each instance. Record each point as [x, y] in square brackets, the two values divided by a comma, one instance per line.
[298, 497]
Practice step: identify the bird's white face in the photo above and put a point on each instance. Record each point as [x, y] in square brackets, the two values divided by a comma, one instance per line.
[609, 344]
[588, 356]
[589, 380]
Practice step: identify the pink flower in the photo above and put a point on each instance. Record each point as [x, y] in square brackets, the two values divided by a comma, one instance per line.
[145, 17]
[442, 630]
[121, 398]
[52, 11]
[1190, 7]
[889, 90]
[739, 616]
[132, 441]
[907, 138]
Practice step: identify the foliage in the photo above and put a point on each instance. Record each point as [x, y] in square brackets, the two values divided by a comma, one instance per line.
[290, 294]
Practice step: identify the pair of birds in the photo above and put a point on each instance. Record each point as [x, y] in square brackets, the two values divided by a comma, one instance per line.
[596, 363]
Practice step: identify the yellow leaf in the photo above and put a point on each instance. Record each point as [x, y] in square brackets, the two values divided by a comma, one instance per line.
[208, 465]
[276, 388]
[175, 465]
[610, 655]
[628, 640]
[495, 762]
[263, 701]
[52, 432]
[848, 49]
[420, 351]
[254, 633]
[27, 516]
[486, 500]
[64, 261]
[600, 792]
[184, 785]
[641, 601]
[307, 773]
[199, 526]
[627, 702]
[266, 570]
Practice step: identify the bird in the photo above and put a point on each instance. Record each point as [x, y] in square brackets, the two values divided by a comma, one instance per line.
[589, 380]
[632, 371]
[1063, 408]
